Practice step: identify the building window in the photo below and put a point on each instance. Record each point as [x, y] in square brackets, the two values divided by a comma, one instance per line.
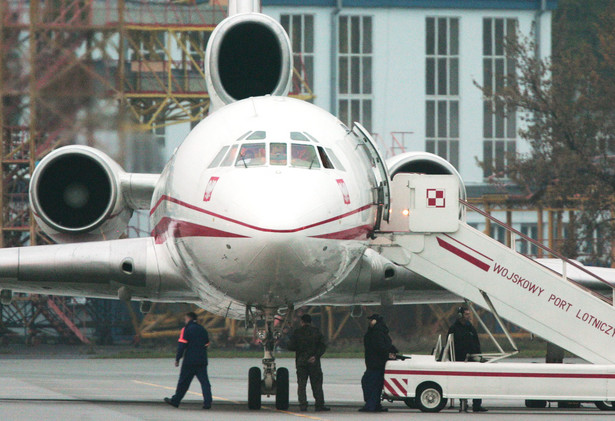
[147, 45]
[300, 30]
[524, 246]
[442, 88]
[499, 122]
[355, 57]
[194, 44]
[498, 233]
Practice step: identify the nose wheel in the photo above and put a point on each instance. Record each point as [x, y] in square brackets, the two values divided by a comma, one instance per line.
[273, 381]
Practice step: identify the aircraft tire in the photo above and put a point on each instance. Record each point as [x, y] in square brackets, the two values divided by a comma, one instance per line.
[281, 394]
[254, 388]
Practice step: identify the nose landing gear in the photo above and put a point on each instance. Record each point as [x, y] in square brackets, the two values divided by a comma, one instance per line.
[273, 381]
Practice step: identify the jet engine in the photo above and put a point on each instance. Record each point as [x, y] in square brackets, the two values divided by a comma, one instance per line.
[78, 193]
[425, 163]
[248, 55]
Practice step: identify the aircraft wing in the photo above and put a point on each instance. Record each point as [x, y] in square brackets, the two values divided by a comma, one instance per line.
[585, 279]
[130, 268]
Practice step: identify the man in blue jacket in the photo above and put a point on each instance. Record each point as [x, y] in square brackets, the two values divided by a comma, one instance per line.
[192, 347]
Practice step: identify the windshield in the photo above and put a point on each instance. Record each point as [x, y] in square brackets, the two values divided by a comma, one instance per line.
[304, 156]
[277, 154]
[251, 155]
[230, 157]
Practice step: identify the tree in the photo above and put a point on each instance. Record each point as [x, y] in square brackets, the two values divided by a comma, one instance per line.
[567, 104]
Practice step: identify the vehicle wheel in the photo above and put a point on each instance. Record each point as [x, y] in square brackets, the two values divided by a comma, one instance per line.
[281, 392]
[605, 405]
[530, 403]
[254, 388]
[429, 398]
[410, 403]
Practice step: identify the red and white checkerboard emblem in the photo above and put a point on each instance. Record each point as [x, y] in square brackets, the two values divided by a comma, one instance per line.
[436, 198]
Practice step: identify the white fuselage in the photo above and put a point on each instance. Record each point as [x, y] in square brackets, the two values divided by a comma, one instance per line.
[267, 203]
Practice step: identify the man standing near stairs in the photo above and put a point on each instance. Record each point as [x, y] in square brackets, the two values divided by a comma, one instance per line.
[466, 344]
[379, 349]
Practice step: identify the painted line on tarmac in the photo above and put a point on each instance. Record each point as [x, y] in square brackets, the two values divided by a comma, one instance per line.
[232, 401]
[190, 392]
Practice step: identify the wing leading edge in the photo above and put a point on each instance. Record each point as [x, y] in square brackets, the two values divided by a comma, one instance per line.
[138, 267]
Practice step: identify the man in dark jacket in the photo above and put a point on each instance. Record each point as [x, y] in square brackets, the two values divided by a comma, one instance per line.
[192, 347]
[309, 345]
[378, 350]
[466, 344]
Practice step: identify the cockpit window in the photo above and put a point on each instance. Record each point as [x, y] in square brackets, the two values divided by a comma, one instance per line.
[278, 154]
[244, 135]
[230, 158]
[218, 157]
[260, 135]
[326, 162]
[251, 155]
[312, 138]
[304, 156]
[335, 160]
[298, 136]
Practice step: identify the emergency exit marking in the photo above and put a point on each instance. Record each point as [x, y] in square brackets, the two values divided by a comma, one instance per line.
[436, 198]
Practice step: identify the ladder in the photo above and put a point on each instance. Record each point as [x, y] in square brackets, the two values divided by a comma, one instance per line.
[480, 269]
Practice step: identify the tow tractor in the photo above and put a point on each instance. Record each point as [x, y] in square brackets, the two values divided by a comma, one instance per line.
[426, 382]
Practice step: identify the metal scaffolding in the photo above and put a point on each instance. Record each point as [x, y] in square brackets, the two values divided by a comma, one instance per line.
[96, 72]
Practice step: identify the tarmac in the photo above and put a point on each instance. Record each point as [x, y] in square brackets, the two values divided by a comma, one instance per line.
[133, 389]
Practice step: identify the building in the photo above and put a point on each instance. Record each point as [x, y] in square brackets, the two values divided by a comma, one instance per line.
[408, 69]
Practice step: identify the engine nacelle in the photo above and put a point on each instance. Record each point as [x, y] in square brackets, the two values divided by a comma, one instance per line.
[425, 163]
[76, 195]
[248, 55]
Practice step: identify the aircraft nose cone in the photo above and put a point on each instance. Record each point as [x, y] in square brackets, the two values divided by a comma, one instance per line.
[282, 201]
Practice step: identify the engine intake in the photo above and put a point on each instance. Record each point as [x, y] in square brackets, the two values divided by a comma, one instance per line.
[247, 55]
[75, 194]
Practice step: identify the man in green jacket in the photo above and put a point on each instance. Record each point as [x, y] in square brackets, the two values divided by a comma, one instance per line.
[309, 345]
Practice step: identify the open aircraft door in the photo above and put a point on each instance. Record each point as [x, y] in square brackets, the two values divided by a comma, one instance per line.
[383, 191]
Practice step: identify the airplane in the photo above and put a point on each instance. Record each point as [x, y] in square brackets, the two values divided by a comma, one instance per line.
[269, 203]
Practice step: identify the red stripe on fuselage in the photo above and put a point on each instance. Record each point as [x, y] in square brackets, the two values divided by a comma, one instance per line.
[179, 229]
[254, 227]
[357, 233]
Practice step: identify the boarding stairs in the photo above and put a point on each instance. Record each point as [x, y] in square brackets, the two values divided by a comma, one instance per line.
[427, 234]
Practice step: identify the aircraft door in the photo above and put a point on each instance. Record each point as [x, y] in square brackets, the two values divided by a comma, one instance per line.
[383, 191]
